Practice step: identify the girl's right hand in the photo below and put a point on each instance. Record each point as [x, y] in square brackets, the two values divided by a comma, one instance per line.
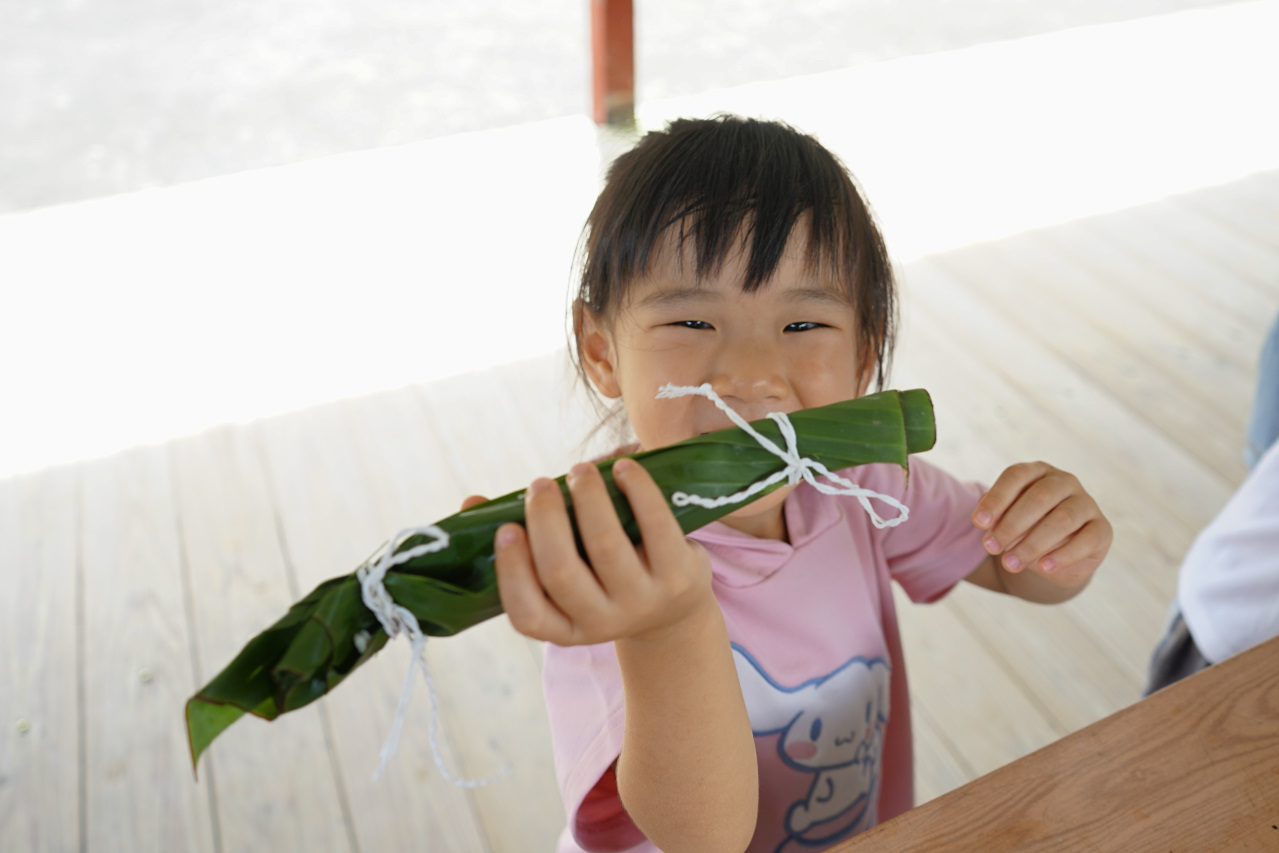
[672, 648]
[626, 591]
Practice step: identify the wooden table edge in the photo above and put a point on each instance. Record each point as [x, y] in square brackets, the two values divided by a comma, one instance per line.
[1138, 754]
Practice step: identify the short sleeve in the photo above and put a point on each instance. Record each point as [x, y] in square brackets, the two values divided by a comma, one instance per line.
[586, 707]
[939, 545]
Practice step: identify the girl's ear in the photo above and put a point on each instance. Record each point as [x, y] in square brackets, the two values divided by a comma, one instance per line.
[595, 349]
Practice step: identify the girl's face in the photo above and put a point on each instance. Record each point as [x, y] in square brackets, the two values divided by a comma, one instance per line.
[790, 345]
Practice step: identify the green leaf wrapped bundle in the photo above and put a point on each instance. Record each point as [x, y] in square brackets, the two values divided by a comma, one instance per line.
[331, 632]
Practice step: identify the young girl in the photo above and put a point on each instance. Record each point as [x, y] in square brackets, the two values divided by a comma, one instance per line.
[743, 688]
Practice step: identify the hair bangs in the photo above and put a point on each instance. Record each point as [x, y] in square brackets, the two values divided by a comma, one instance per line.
[709, 188]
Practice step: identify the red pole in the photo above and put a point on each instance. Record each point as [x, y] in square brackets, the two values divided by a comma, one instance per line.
[612, 61]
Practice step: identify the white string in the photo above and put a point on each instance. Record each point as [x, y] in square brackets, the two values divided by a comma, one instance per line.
[797, 467]
[395, 620]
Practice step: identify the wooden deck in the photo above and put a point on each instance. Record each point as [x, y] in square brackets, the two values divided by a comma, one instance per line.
[1120, 347]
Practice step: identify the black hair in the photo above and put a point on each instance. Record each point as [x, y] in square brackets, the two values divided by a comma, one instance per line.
[718, 179]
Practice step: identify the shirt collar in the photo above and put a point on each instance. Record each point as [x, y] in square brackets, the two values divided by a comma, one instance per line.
[741, 560]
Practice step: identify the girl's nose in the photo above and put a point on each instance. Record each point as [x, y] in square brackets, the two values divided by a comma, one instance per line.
[750, 371]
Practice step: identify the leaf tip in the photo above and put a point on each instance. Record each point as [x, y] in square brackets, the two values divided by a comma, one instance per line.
[206, 719]
[195, 754]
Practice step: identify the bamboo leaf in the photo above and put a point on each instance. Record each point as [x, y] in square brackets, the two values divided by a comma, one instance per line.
[314, 646]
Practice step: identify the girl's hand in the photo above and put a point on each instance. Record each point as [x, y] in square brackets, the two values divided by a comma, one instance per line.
[1041, 518]
[625, 591]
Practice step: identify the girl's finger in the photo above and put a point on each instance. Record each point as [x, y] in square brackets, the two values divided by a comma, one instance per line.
[1086, 548]
[1006, 490]
[608, 548]
[1032, 506]
[661, 534]
[567, 579]
[473, 500]
[1063, 522]
[530, 611]
[997, 548]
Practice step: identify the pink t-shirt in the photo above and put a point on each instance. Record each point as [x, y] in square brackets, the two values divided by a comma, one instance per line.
[818, 654]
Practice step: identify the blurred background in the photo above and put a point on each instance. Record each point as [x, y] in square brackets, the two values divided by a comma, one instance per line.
[216, 211]
[101, 98]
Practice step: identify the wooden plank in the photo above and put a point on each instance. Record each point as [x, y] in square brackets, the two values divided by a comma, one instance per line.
[1193, 767]
[1064, 282]
[1120, 611]
[1205, 319]
[997, 721]
[986, 423]
[1125, 618]
[138, 663]
[1078, 660]
[1249, 261]
[1177, 261]
[1193, 274]
[1040, 366]
[40, 805]
[1072, 673]
[483, 435]
[1260, 191]
[491, 704]
[1239, 207]
[329, 525]
[938, 765]
[563, 423]
[488, 682]
[1199, 402]
[978, 405]
[1165, 388]
[277, 787]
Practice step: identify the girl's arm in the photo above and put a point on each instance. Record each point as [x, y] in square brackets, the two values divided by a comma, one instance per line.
[1040, 518]
[687, 774]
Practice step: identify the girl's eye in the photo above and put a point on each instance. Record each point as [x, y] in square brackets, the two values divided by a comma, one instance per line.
[692, 324]
[802, 327]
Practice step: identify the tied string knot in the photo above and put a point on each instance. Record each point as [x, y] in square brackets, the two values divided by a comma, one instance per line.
[395, 620]
[797, 467]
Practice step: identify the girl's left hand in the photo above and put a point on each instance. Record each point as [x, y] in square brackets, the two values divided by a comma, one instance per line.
[1040, 517]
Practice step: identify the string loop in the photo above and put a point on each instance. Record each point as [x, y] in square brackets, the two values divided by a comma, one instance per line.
[395, 620]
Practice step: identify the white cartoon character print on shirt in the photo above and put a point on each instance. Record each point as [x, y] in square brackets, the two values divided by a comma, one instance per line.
[831, 727]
